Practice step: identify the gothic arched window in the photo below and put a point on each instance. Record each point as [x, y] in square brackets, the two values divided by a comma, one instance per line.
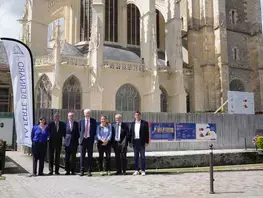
[43, 93]
[236, 85]
[128, 98]
[111, 20]
[163, 99]
[71, 98]
[133, 24]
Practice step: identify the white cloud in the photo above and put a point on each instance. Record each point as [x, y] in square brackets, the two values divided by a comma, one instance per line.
[10, 12]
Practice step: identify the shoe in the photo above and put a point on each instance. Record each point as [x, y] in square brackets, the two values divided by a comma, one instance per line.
[67, 173]
[108, 173]
[89, 174]
[73, 173]
[50, 173]
[136, 173]
[33, 175]
[124, 173]
[40, 174]
[81, 173]
[57, 173]
[143, 173]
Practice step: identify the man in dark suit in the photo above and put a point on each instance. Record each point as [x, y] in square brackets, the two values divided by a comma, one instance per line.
[87, 134]
[71, 144]
[119, 139]
[139, 138]
[57, 130]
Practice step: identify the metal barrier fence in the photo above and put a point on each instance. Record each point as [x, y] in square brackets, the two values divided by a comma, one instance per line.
[233, 131]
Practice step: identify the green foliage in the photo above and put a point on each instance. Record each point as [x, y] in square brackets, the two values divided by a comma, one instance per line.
[260, 142]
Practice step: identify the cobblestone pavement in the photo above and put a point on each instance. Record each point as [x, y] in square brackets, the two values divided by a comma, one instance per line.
[227, 184]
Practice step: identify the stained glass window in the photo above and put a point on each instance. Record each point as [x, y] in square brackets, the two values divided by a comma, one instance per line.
[43, 92]
[111, 20]
[71, 97]
[133, 24]
[128, 98]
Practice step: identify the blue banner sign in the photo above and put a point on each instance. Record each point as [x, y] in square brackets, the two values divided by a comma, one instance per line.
[162, 131]
[185, 131]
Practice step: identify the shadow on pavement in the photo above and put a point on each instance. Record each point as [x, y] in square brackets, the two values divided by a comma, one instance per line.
[11, 167]
[236, 192]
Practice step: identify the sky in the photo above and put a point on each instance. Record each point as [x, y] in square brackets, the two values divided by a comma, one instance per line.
[10, 12]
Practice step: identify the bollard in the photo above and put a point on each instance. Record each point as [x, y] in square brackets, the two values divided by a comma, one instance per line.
[211, 162]
[245, 139]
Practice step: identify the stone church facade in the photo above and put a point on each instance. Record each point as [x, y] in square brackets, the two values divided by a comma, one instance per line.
[151, 55]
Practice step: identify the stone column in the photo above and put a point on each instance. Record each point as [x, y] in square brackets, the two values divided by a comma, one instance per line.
[38, 27]
[57, 56]
[96, 53]
[177, 96]
[207, 57]
[254, 53]
[148, 34]
[77, 21]
[221, 53]
[56, 89]
[122, 20]
[72, 17]
[149, 52]
[196, 92]
[67, 24]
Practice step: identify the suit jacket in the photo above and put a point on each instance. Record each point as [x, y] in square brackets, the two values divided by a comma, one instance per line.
[55, 137]
[72, 135]
[144, 133]
[124, 133]
[93, 128]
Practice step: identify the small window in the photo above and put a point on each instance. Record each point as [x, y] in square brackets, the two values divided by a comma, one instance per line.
[233, 16]
[182, 22]
[235, 54]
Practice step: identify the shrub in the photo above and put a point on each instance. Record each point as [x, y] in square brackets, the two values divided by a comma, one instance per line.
[260, 142]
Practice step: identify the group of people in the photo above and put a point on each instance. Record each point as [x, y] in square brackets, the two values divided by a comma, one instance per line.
[84, 134]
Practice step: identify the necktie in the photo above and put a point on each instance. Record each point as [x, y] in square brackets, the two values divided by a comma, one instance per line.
[86, 134]
[117, 132]
[57, 126]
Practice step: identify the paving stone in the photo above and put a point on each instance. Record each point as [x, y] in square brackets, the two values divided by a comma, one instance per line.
[227, 184]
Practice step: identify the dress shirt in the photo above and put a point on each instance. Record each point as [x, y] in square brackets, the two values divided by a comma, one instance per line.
[57, 125]
[104, 132]
[137, 130]
[71, 125]
[118, 132]
[38, 135]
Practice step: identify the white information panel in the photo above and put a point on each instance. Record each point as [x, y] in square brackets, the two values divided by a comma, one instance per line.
[241, 102]
[6, 129]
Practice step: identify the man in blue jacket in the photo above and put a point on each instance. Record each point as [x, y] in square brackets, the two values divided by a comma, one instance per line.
[71, 144]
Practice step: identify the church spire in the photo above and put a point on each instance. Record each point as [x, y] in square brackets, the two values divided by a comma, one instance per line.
[57, 54]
